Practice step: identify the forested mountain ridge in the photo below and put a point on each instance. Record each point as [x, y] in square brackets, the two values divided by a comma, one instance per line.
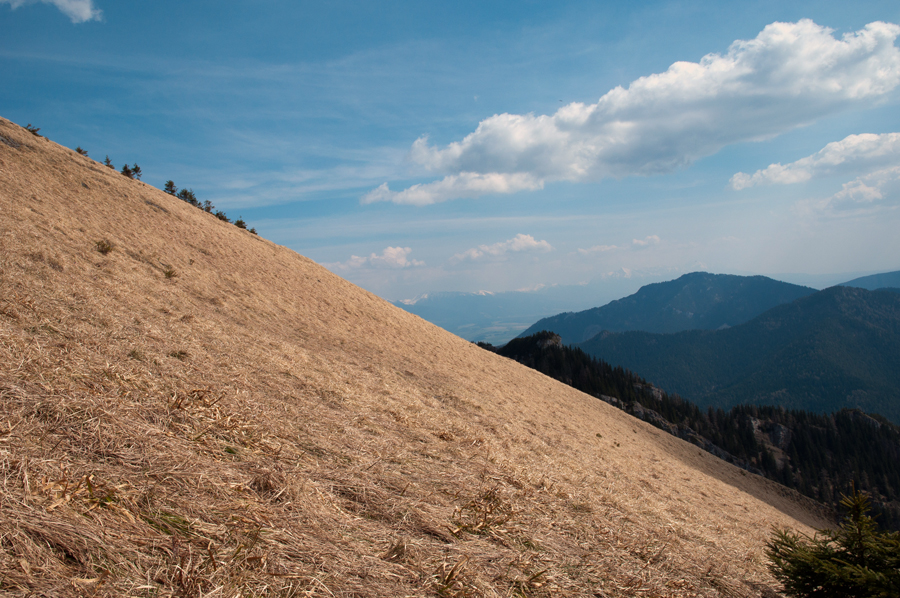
[884, 280]
[698, 300]
[838, 348]
[821, 455]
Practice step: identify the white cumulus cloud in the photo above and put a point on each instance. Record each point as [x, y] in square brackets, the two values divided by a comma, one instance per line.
[874, 159]
[646, 241]
[875, 189]
[789, 75]
[77, 10]
[391, 257]
[854, 153]
[518, 243]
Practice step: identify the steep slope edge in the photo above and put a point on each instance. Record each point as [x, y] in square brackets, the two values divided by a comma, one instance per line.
[199, 411]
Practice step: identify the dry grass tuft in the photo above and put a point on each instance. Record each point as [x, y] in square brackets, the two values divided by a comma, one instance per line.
[264, 428]
[104, 246]
[450, 581]
[487, 513]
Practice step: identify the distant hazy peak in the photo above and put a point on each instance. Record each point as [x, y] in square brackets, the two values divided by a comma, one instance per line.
[875, 281]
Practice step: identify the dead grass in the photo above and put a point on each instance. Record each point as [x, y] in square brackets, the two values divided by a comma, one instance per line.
[104, 246]
[260, 427]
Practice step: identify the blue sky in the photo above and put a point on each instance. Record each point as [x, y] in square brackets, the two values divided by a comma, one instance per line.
[415, 147]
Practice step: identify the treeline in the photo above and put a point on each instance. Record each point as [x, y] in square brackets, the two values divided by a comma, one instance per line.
[830, 454]
[134, 172]
[545, 353]
[188, 196]
[823, 456]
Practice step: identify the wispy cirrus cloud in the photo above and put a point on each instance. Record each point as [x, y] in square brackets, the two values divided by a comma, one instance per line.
[456, 186]
[517, 244]
[597, 249]
[789, 75]
[391, 257]
[854, 153]
[78, 11]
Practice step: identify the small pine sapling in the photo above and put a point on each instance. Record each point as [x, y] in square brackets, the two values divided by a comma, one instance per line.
[253, 231]
[854, 561]
[208, 206]
[126, 170]
[32, 130]
[109, 163]
[240, 223]
[136, 172]
[81, 151]
[221, 216]
[171, 189]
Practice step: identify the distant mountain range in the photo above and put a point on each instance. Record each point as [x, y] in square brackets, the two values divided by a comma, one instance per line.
[694, 301]
[497, 317]
[829, 350]
[481, 316]
[888, 280]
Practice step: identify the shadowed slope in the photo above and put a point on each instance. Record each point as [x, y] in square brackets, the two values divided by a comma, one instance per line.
[253, 424]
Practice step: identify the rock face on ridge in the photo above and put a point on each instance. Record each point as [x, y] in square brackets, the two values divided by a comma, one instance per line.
[198, 411]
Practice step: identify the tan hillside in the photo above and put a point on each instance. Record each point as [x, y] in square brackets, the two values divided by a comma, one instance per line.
[200, 412]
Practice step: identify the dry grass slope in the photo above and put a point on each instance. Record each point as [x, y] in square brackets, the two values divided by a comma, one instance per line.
[190, 410]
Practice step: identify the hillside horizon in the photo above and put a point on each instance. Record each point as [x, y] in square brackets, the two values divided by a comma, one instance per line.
[189, 409]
